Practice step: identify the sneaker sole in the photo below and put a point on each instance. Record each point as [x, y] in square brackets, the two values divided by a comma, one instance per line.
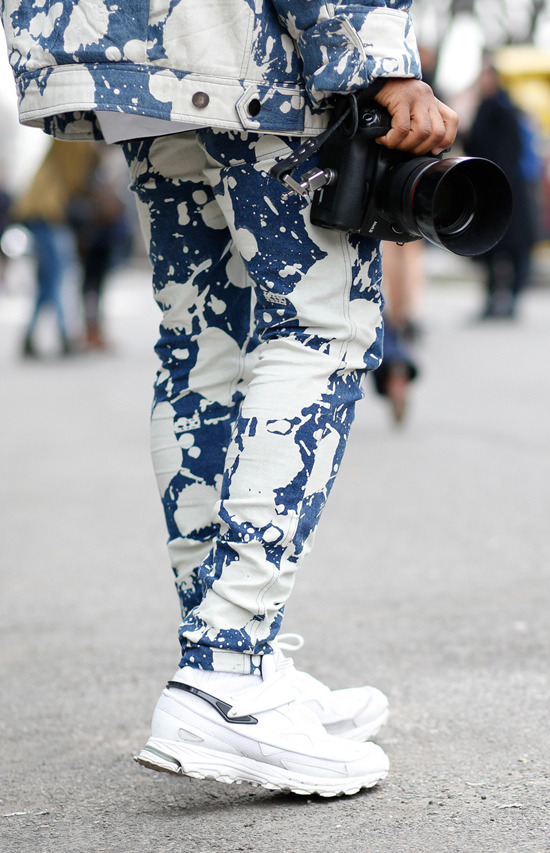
[170, 757]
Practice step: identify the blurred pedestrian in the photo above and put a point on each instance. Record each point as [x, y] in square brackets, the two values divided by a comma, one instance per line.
[44, 208]
[403, 282]
[501, 132]
[404, 274]
[104, 236]
[402, 285]
[5, 204]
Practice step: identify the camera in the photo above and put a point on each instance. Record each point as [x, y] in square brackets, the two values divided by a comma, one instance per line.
[462, 204]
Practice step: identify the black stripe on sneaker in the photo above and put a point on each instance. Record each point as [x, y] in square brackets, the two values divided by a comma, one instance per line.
[221, 707]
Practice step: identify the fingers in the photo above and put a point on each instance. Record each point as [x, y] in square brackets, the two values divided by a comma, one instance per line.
[420, 123]
[450, 123]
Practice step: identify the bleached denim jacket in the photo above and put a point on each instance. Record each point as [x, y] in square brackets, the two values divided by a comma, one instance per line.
[259, 65]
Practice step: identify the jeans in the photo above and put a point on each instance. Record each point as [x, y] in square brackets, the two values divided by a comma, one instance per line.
[268, 327]
[50, 248]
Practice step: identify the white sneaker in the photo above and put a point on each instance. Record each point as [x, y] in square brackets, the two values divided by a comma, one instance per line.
[354, 713]
[260, 734]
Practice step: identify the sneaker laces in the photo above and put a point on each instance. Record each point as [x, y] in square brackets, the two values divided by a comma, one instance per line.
[289, 642]
[307, 686]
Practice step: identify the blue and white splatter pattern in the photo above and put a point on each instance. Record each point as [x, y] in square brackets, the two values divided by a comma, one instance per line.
[263, 65]
[268, 327]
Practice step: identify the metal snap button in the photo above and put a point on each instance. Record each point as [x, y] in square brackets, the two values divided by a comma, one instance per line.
[200, 100]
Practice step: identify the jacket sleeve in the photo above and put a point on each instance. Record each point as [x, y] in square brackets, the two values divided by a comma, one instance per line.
[346, 46]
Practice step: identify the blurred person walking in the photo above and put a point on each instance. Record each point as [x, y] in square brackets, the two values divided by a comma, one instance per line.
[403, 282]
[402, 286]
[501, 132]
[44, 208]
[104, 236]
[5, 204]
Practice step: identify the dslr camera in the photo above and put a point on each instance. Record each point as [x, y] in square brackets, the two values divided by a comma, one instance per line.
[462, 204]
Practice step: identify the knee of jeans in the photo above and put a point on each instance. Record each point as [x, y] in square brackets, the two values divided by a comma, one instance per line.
[257, 519]
[348, 343]
[210, 364]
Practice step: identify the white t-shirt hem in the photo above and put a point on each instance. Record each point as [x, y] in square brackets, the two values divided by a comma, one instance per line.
[117, 127]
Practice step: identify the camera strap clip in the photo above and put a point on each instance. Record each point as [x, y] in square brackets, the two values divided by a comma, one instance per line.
[313, 180]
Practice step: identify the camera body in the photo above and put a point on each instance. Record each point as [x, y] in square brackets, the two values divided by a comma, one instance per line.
[460, 203]
[350, 202]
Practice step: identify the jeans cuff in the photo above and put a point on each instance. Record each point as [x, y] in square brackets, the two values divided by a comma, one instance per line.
[221, 660]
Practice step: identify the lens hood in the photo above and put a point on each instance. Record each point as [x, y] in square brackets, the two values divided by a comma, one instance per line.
[463, 204]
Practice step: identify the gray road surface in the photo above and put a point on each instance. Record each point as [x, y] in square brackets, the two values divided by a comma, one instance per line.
[434, 560]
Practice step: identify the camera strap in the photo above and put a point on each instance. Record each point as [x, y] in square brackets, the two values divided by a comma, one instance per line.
[315, 178]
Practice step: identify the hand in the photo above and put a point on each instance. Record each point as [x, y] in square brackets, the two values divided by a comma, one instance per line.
[420, 123]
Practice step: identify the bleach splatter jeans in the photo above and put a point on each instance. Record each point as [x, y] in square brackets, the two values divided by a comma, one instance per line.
[268, 327]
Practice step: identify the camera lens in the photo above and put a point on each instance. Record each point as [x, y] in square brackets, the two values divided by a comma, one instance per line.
[463, 204]
[454, 206]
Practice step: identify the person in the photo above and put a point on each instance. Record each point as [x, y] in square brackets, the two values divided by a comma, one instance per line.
[104, 238]
[500, 132]
[44, 208]
[268, 326]
[397, 370]
[5, 204]
[402, 282]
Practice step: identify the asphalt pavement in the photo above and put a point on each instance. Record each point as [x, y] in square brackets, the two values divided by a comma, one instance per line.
[433, 559]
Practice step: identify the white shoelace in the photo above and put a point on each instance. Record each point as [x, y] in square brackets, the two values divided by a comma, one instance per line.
[290, 642]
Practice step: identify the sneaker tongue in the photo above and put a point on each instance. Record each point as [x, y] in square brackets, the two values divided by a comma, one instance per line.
[307, 686]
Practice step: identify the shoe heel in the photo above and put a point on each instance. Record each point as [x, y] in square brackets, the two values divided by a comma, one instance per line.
[155, 759]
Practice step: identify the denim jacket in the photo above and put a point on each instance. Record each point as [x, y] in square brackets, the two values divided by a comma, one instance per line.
[260, 65]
